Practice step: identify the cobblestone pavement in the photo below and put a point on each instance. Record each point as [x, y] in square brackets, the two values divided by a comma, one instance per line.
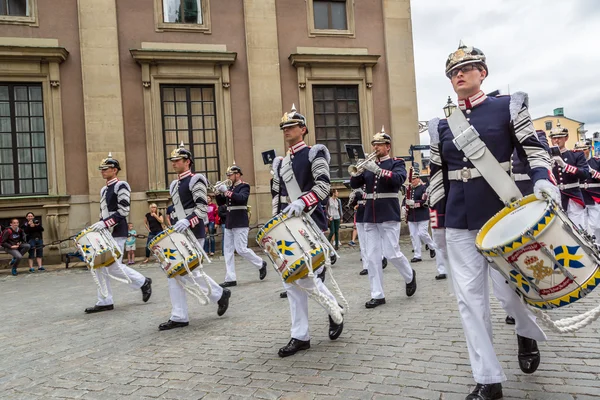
[408, 348]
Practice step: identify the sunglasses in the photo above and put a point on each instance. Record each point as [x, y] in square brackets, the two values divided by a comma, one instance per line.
[464, 69]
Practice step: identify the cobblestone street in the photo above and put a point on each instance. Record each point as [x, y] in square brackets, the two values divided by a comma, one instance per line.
[408, 348]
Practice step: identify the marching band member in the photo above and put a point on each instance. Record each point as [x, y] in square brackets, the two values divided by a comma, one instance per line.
[237, 226]
[358, 199]
[305, 169]
[569, 167]
[418, 217]
[382, 180]
[188, 192]
[502, 123]
[519, 169]
[437, 218]
[590, 188]
[114, 209]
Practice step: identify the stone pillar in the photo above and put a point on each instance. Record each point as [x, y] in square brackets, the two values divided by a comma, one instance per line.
[102, 99]
[401, 75]
[265, 95]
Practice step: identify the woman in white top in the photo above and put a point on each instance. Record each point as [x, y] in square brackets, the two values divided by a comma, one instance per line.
[334, 213]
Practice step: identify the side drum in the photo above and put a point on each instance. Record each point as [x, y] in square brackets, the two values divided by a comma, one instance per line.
[174, 250]
[98, 248]
[290, 242]
[541, 253]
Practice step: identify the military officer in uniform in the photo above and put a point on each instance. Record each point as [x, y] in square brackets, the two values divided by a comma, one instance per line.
[382, 180]
[306, 170]
[569, 168]
[189, 194]
[520, 169]
[437, 219]
[590, 188]
[237, 226]
[359, 200]
[417, 217]
[115, 201]
[503, 124]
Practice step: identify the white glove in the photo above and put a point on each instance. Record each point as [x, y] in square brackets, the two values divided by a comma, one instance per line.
[296, 208]
[222, 188]
[559, 161]
[544, 187]
[98, 226]
[410, 203]
[181, 225]
[372, 166]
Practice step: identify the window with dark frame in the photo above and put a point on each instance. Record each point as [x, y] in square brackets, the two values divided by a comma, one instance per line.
[182, 11]
[337, 123]
[548, 125]
[14, 8]
[23, 169]
[330, 14]
[189, 116]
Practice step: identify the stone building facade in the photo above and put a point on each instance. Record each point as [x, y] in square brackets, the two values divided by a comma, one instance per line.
[82, 78]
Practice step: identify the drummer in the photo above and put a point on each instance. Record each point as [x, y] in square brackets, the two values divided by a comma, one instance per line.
[189, 200]
[569, 168]
[310, 171]
[503, 123]
[590, 188]
[115, 200]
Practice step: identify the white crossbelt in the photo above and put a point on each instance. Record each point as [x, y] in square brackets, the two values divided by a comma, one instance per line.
[521, 177]
[469, 173]
[232, 208]
[591, 185]
[375, 196]
[568, 186]
[284, 199]
[467, 140]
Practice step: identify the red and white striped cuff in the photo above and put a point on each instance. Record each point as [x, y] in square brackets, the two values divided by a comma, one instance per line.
[310, 199]
[571, 169]
[596, 175]
[228, 193]
[110, 222]
[385, 173]
[433, 218]
[194, 221]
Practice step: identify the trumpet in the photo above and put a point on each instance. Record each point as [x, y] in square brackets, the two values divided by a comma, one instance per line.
[359, 167]
[226, 182]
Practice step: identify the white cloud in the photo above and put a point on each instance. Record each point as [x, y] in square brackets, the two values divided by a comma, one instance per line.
[547, 48]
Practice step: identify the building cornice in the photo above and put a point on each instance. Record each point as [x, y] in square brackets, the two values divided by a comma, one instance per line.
[346, 60]
[159, 56]
[33, 53]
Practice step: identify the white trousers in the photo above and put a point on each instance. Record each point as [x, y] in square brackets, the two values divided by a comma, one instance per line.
[576, 214]
[441, 257]
[298, 299]
[362, 243]
[237, 239]
[137, 279]
[418, 233]
[470, 276]
[179, 308]
[593, 220]
[383, 238]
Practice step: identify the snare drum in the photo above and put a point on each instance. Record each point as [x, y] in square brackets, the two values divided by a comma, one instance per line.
[98, 248]
[287, 240]
[541, 253]
[173, 250]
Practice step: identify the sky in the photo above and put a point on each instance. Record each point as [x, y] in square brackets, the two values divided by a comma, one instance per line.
[549, 49]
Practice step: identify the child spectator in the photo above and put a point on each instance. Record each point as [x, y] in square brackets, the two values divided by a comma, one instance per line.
[130, 244]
